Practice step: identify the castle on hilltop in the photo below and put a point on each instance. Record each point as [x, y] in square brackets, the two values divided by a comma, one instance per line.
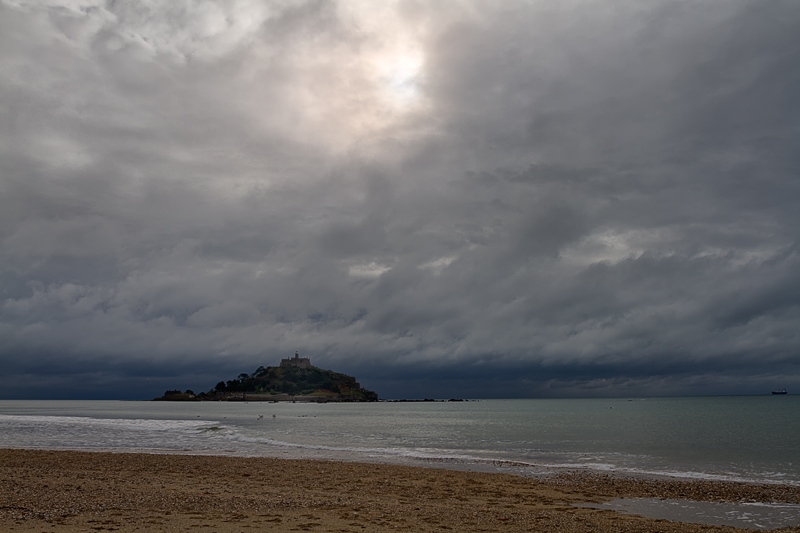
[299, 362]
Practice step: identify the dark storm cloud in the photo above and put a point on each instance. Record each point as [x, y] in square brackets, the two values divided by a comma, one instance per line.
[578, 198]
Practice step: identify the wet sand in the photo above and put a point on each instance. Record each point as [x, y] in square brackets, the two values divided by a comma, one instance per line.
[42, 491]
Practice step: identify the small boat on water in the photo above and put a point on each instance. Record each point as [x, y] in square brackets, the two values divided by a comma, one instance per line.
[782, 391]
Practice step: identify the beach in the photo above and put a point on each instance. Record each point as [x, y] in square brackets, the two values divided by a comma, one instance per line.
[96, 491]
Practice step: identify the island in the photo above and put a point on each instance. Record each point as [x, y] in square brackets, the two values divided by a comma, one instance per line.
[295, 380]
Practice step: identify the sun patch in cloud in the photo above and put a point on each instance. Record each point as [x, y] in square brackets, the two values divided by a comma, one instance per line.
[368, 270]
[437, 265]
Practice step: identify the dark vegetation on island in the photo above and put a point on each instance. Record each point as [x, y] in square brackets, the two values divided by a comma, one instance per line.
[282, 383]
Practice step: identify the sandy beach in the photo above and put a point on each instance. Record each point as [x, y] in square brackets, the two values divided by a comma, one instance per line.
[44, 491]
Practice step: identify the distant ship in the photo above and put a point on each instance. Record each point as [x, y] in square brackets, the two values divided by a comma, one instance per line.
[782, 391]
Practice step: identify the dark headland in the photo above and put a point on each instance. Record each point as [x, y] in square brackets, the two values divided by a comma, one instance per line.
[295, 380]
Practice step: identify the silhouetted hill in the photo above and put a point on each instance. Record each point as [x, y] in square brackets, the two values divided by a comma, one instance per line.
[294, 380]
[291, 380]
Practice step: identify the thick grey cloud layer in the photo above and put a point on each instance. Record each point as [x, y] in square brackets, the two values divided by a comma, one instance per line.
[458, 199]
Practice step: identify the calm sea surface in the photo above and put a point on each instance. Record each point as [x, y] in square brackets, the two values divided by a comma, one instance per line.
[754, 438]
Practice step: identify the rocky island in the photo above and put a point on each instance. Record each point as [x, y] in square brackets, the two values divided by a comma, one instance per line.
[296, 380]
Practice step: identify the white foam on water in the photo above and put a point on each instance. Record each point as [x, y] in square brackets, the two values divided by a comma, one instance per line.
[410, 453]
[89, 433]
[139, 424]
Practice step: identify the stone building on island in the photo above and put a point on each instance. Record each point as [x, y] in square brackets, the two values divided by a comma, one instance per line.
[299, 362]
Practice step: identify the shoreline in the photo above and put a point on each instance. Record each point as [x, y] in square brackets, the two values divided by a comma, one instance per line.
[348, 432]
[92, 490]
[514, 467]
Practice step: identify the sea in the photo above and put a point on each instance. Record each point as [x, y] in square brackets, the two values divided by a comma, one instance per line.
[731, 438]
[737, 438]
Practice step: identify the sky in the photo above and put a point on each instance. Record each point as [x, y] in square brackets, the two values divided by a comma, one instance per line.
[444, 199]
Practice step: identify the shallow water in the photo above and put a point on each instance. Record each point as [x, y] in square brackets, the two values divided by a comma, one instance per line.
[745, 515]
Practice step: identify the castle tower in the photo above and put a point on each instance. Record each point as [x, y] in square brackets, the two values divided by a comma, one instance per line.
[297, 361]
